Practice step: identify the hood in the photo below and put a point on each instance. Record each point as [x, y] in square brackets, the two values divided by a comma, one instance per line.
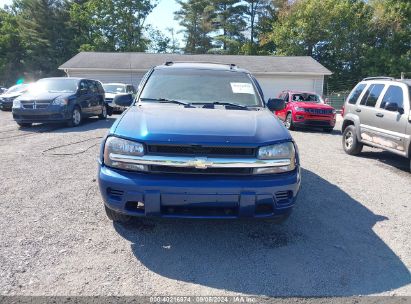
[11, 95]
[43, 96]
[157, 123]
[312, 105]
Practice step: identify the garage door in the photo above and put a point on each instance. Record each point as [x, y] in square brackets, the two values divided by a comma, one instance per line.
[272, 86]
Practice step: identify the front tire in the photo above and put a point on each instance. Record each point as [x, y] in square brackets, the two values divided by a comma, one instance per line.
[76, 118]
[350, 143]
[289, 123]
[103, 114]
[116, 216]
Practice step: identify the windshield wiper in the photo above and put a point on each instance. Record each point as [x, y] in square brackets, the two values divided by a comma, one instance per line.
[165, 100]
[218, 103]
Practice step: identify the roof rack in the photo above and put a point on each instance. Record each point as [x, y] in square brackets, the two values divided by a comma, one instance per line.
[231, 65]
[379, 77]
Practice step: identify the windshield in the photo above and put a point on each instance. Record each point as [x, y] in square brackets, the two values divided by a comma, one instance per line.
[114, 88]
[200, 86]
[17, 88]
[55, 85]
[307, 97]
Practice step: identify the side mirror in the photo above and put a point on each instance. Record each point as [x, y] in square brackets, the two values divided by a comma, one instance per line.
[275, 104]
[123, 100]
[393, 107]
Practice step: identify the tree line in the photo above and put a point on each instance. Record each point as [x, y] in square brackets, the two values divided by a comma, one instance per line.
[352, 38]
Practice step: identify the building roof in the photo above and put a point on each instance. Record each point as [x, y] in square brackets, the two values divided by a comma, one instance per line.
[298, 65]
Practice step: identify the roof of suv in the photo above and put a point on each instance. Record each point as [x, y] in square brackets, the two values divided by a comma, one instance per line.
[387, 79]
[216, 66]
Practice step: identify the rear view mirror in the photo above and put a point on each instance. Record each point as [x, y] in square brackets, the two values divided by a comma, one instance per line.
[275, 104]
[123, 100]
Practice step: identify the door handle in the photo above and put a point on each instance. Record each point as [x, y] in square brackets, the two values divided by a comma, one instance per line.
[379, 115]
[358, 110]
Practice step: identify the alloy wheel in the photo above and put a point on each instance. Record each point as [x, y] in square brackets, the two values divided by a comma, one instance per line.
[348, 140]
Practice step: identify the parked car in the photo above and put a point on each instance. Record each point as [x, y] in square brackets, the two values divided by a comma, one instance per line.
[6, 99]
[60, 100]
[199, 142]
[113, 89]
[306, 109]
[377, 113]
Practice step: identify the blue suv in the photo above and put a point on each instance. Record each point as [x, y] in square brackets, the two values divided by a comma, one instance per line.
[198, 142]
[60, 99]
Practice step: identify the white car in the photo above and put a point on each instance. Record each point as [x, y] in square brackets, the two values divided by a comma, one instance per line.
[113, 89]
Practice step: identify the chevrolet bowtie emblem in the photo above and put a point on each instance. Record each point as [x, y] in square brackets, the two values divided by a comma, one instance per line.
[200, 163]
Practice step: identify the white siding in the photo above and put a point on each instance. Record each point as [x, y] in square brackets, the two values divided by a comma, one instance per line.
[272, 85]
[109, 76]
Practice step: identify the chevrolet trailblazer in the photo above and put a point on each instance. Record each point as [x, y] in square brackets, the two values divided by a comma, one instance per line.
[199, 142]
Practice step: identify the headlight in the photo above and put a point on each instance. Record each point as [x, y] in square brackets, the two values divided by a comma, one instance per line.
[299, 109]
[284, 151]
[16, 103]
[119, 146]
[60, 101]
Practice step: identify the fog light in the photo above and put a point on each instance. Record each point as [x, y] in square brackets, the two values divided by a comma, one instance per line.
[300, 117]
[271, 170]
[129, 166]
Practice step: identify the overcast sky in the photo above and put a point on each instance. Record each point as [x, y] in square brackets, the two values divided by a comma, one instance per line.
[162, 16]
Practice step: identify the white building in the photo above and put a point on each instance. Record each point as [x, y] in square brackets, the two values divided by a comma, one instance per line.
[274, 73]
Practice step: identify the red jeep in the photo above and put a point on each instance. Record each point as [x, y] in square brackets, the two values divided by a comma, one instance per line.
[306, 109]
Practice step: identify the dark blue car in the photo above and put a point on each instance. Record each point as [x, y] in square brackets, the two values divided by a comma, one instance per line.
[60, 99]
[199, 142]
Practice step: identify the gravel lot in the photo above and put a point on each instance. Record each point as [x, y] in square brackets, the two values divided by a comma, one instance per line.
[349, 234]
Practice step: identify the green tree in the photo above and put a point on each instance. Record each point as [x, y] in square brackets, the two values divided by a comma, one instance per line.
[111, 25]
[334, 32]
[390, 53]
[12, 51]
[254, 11]
[43, 27]
[194, 18]
[159, 42]
[228, 20]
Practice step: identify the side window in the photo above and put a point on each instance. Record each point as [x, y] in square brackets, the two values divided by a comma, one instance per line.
[286, 97]
[83, 86]
[371, 96]
[93, 87]
[281, 96]
[393, 95]
[352, 99]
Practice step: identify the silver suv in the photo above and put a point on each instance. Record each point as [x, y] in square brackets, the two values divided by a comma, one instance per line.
[377, 113]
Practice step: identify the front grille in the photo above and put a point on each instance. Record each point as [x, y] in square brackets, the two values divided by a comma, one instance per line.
[201, 151]
[319, 111]
[35, 104]
[177, 170]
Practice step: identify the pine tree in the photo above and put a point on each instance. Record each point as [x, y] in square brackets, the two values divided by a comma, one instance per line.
[194, 18]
